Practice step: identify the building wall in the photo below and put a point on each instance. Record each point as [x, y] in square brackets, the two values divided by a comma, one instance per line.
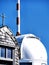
[7, 40]
[17, 55]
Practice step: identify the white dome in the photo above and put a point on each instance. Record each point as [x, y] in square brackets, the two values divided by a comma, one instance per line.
[32, 48]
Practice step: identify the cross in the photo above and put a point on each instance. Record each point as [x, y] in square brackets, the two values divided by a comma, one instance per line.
[2, 19]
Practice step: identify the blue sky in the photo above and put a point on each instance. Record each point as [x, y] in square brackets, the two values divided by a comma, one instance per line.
[34, 18]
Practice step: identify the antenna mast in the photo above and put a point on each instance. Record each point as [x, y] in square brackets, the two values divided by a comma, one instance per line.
[18, 18]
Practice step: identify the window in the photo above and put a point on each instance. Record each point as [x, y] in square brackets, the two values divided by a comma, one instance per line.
[9, 53]
[25, 63]
[6, 52]
[2, 52]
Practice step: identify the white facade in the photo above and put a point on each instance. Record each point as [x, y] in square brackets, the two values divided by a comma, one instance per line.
[9, 54]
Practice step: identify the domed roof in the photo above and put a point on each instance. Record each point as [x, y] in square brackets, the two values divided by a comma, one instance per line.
[33, 48]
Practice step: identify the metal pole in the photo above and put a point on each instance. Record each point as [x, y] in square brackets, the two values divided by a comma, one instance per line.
[18, 18]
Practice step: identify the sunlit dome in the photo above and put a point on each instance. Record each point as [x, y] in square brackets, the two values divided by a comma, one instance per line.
[33, 48]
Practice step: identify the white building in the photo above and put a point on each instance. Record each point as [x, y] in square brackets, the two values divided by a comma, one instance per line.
[21, 50]
[9, 50]
[32, 50]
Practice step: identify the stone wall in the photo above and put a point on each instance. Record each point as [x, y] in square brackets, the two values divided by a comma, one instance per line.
[17, 55]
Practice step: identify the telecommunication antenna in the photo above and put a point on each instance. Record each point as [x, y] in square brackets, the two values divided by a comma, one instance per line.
[18, 18]
[2, 19]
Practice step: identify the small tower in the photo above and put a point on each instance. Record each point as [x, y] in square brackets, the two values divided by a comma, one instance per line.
[18, 18]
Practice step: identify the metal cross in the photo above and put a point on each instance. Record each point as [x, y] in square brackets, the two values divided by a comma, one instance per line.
[2, 19]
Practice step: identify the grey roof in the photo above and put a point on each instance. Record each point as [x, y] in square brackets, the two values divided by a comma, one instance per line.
[6, 37]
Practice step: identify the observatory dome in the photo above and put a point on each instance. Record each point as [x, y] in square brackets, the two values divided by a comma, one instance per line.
[32, 48]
